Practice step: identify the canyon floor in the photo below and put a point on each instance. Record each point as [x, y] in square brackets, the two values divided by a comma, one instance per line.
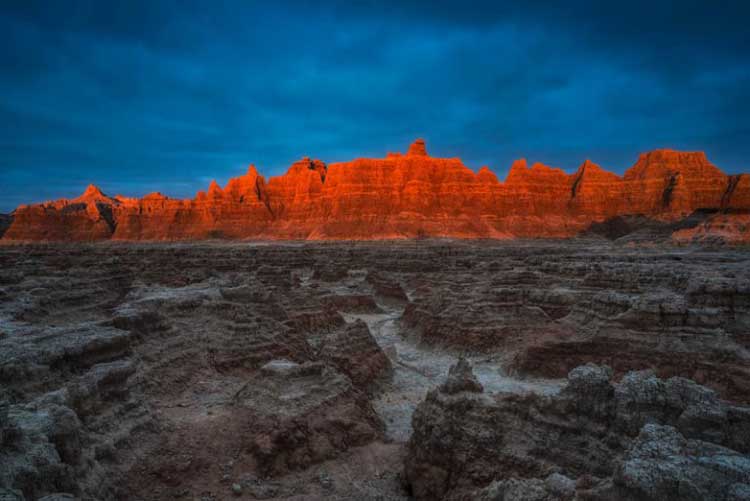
[422, 369]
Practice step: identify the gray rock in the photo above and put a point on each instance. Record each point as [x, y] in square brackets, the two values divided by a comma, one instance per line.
[514, 489]
[739, 492]
[462, 441]
[461, 378]
[590, 389]
[560, 485]
[664, 465]
[10, 495]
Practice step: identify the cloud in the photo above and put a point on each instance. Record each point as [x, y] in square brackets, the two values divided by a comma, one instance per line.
[163, 94]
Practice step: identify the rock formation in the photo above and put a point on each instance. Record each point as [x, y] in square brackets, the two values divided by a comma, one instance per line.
[179, 371]
[298, 411]
[354, 352]
[406, 196]
[643, 438]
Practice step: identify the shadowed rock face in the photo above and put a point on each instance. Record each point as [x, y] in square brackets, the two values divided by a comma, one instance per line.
[406, 196]
[643, 438]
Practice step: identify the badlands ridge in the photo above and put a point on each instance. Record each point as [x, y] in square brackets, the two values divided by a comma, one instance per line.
[415, 195]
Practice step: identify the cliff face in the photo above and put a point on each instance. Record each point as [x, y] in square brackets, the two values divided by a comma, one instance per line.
[86, 218]
[400, 196]
[239, 210]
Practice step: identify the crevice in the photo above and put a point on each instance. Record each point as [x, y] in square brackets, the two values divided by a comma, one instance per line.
[732, 183]
[262, 196]
[666, 198]
[105, 212]
[576, 182]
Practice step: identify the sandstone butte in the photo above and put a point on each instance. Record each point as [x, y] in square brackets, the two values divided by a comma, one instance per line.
[403, 196]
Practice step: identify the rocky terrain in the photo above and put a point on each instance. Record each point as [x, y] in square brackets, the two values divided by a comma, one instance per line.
[589, 368]
[675, 196]
[640, 439]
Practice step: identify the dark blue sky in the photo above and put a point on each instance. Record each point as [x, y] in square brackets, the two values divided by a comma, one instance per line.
[164, 96]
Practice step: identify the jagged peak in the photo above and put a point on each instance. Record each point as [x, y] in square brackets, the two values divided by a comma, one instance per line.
[520, 172]
[250, 183]
[214, 190]
[517, 168]
[484, 174]
[307, 163]
[303, 168]
[92, 191]
[249, 176]
[588, 164]
[418, 147]
[589, 167]
[519, 165]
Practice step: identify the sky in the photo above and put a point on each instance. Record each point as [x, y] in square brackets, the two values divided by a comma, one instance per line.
[141, 96]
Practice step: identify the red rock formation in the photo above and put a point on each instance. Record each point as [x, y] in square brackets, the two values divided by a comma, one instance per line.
[399, 196]
[719, 228]
[737, 195]
[671, 184]
[418, 147]
[595, 192]
[86, 218]
[240, 210]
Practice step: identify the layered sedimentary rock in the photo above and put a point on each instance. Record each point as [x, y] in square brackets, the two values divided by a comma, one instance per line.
[175, 371]
[728, 227]
[303, 414]
[554, 306]
[354, 352]
[88, 217]
[400, 196]
[642, 438]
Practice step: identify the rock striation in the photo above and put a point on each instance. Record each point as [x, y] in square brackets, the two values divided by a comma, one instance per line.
[405, 196]
[642, 438]
[179, 371]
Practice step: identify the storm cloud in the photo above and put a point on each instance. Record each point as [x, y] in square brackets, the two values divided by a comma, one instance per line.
[144, 96]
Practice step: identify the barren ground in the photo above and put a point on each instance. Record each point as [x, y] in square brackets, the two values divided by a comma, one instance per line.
[292, 371]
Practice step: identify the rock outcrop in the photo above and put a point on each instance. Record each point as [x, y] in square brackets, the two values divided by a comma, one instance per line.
[643, 438]
[174, 371]
[302, 414]
[86, 218]
[461, 378]
[404, 196]
[354, 352]
[723, 228]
